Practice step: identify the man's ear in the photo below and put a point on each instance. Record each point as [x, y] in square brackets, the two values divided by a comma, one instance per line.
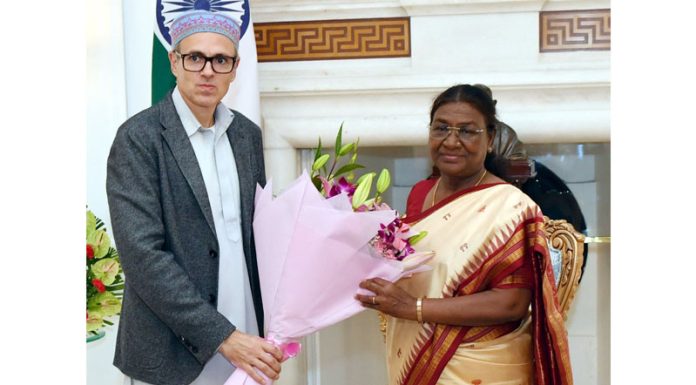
[172, 62]
[234, 71]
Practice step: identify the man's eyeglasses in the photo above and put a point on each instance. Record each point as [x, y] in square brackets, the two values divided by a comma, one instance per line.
[440, 131]
[196, 61]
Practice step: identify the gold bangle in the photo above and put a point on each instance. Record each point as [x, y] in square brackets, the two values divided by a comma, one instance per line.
[419, 309]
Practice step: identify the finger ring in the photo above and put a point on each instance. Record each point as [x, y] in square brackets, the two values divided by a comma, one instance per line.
[374, 302]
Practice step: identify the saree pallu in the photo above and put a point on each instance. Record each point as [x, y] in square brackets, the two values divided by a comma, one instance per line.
[482, 238]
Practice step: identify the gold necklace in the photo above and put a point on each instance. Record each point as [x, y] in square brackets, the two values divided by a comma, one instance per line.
[437, 184]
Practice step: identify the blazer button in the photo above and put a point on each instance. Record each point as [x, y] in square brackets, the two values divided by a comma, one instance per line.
[213, 254]
[211, 298]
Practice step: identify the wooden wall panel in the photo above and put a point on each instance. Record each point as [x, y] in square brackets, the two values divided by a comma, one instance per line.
[333, 39]
[575, 30]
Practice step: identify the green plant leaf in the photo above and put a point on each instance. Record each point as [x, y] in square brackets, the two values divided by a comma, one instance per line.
[116, 287]
[383, 181]
[347, 168]
[320, 162]
[100, 223]
[106, 270]
[339, 136]
[316, 182]
[317, 154]
[363, 190]
[112, 253]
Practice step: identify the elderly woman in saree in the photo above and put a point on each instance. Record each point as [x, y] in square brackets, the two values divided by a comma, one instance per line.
[487, 313]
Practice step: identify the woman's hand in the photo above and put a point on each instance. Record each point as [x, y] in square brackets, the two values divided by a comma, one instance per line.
[389, 298]
[489, 307]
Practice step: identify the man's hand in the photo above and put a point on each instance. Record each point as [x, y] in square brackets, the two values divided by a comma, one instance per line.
[251, 353]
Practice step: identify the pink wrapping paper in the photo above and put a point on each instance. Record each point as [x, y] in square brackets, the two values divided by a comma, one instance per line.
[312, 253]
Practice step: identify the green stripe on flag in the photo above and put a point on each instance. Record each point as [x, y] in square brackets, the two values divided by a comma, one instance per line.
[162, 79]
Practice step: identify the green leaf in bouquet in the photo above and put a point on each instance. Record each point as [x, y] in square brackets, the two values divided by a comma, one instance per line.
[417, 238]
[95, 319]
[347, 168]
[106, 270]
[363, 189]
[91, 223]
[317, 153]
[106, 303]
[339, 137]
[383, 181]
[320, 162]
[316, 182]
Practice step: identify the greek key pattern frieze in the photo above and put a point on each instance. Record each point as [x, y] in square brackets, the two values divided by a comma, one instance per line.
[333, 39]
[575, 30]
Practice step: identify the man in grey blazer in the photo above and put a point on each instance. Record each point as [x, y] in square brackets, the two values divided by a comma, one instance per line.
[181, 179]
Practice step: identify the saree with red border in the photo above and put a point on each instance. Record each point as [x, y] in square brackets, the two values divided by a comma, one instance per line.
[489, 236]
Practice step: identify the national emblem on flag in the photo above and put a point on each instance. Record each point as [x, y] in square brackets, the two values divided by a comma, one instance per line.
[168, 10]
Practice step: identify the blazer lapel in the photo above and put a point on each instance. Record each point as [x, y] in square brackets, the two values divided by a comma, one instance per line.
[180, 145]
[242, 157]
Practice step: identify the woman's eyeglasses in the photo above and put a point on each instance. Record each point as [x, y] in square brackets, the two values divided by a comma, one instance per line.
[441, 131]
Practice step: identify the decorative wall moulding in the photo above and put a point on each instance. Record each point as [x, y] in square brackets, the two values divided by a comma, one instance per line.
[266, 11]
[283, 10]
[578, 30]
[333, 39]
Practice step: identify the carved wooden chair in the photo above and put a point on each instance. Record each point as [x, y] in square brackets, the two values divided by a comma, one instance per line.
[566, 247]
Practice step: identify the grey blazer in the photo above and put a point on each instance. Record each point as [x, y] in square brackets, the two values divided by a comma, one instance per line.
[164, 231]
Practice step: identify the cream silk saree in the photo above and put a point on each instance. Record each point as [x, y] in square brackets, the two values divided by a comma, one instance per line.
[482, 237]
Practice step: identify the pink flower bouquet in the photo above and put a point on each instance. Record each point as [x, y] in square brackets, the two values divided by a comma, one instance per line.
[313, 252]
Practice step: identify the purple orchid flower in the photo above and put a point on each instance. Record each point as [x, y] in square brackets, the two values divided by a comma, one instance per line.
[333, 188]
[342, 186]
[392, 240]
